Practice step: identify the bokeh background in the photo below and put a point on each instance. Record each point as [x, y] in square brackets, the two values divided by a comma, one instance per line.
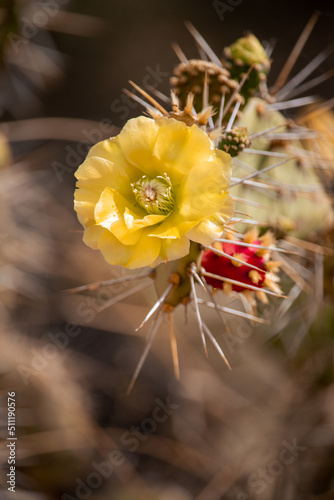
[217, 434]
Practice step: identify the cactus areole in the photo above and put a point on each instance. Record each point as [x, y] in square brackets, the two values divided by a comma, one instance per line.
[177, 273]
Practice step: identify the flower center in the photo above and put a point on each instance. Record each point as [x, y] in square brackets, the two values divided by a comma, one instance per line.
[155, 194]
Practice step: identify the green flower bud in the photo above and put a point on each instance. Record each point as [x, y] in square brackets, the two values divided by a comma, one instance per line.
[248, 50]
[243, 54]
[234, 141]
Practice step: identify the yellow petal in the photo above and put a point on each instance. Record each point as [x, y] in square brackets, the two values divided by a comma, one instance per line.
[205, 232]
[124, 220]
[109, 214]
[175, 226]
[106, 212]
[133, 223]
[84, 221]
[174, 249]
[211, 228]
[137, 140]
[92, 235]
[144, 253]
[85, 201]
[202, 193]
[180, 147]
[226, 160]
[110, 150]
[97, 173]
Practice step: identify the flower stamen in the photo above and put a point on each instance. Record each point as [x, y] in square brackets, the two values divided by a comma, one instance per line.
[154, 194]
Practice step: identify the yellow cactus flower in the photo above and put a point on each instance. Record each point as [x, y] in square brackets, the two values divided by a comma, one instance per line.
[143, 195]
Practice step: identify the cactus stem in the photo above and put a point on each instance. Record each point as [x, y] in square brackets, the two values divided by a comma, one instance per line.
[177, 273]
[174, 279]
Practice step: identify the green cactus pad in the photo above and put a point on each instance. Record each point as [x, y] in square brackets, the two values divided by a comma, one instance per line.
[295, 201]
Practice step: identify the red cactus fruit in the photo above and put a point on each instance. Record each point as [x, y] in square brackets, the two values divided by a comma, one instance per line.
[235, 270]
